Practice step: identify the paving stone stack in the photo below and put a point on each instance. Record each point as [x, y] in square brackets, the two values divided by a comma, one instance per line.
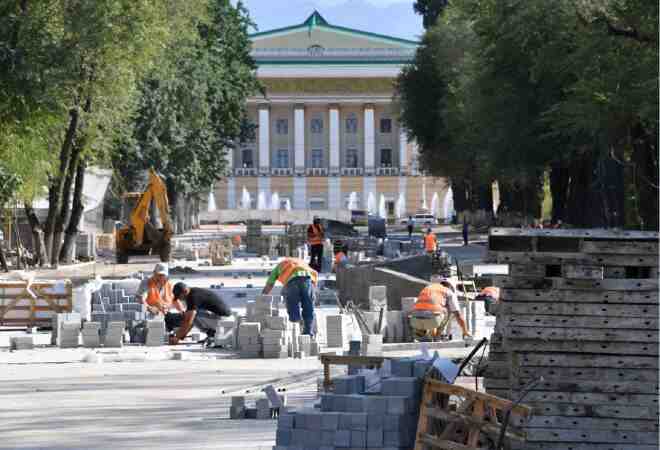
[254, 236]
[21, 343]
[155, 333]
[86, 246]
[372, 344]
[91, 334]
[275, 343]
[377, 298]
[580, 309]
[351, 419]
[226, 333]
[117, 302]
[56, 323]
[221, 252]
[249, 339]
[337, 330]
[114, 334]
[68, 334]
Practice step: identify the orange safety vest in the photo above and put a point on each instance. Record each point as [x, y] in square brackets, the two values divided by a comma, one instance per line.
[430, 242]
[154, 297]
[290, 265]
[339, 257]
[433, 298]
[491, 291]
[315, 234]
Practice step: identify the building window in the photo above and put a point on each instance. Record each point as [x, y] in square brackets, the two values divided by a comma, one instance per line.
[282, 159]
[385, 126]
[317, 158]
[351, 124]
[351, 158]
[316, 203]
[386, 157]
[316, 125]
[246, 157]
[282, 126]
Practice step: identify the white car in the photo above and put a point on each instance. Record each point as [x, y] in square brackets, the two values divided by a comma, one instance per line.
[421, 220]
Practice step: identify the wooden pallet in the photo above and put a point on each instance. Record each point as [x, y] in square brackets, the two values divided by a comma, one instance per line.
[579, 308]
[19, 308]
[455, 418]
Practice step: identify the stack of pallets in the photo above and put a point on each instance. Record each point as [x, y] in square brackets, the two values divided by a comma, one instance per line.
[579, 308]
[253, 239]
[221, 252]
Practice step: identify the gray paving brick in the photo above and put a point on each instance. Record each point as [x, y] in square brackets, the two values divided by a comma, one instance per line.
[298, 436]
[359, 421]
[404, 386]
[358, 439]
[402, 367]
[356, 403]
[329, 421]
[375, 438]
[283, 437]
[286, 421]
[343, 438]
[345, 421]
[328, 438]
[398, 405]
[375, 421]
[375, 404]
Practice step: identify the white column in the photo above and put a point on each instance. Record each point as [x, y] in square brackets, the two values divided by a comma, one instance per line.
[369, 140]
[229, 161]
[403, 151]
[334, 139]
[299, 138]
[231, 193]
[300, 193]
[334, 193]
[264, 139]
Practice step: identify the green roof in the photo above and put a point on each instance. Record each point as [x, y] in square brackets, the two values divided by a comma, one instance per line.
[316, 20]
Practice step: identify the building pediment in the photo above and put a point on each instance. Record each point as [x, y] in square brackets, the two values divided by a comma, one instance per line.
[316, 41]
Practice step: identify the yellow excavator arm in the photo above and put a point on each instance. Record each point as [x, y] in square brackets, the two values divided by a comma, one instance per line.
[156, 191]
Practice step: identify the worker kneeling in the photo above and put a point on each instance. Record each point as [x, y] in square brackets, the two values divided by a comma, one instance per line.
[299, 281]
[435, 306]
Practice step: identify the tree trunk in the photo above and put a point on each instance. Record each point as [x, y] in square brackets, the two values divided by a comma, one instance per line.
[645, 177]
[65, 209]
[56, 188]
[41, 257]
[559, 189]
[3, 259]
[66, 254]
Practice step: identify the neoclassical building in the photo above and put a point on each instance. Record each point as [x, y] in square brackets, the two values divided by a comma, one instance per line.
[327, 126]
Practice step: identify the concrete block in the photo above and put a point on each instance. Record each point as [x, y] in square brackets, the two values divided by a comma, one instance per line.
[358, 439]
[359, 421]
[402, 367]
[345, 421]
[299, 436]
[328, 438]
[237, 412]
[375, 421]
[375, 404]
[355, 403]
[329, 421]
[283, 437]
[238, 401]
[375, 438]
[21, 343]
[402, 386]
[420, 369]
[343, 438]
[398, 405]
[312, 420]
[349, 384]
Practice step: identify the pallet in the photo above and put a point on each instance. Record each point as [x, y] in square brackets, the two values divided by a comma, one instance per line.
[452, 417]
[19, 308]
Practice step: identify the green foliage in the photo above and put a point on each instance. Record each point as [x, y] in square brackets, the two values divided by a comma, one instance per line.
[190, 114]
[430, 10]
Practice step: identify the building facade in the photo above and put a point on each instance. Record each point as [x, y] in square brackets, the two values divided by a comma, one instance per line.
[327, 132]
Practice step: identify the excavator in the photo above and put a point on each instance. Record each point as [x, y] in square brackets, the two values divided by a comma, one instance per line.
[139, 236]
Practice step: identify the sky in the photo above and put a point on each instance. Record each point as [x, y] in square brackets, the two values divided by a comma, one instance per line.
[391, 17]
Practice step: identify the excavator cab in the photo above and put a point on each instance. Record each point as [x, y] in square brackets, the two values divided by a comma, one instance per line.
[139, 236]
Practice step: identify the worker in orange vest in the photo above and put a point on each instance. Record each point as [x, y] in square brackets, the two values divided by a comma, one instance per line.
[435, 306]
[430, 241]
[299, 281]
[315, 237]
[156, 292]
[341, 257]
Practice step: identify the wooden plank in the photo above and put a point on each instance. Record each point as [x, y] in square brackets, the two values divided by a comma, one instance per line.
[534, 269]
[593, 436]
[487, 427]
[549, 321]
[587, 361]
[582, 446]
[582, 272]
[605, 348]
[592, 386]
[615, 272]
[591, 398]
[580, 309]
[579, 296]
[554, 258]
[423, 421]
[600, 374]
[434, 442]
[591, 423]
[620, 247]
[588, 334]
[505, 281]
[450, 389]
[585, 233]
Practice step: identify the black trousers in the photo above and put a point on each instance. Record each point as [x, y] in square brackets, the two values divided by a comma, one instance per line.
[316, 257]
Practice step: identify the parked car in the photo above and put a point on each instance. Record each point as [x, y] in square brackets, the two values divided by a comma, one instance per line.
[359, 217]
[421, 220]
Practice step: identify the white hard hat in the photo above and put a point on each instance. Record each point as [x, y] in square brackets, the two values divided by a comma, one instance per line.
[161, 269]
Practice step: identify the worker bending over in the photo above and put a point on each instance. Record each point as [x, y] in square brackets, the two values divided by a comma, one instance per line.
[156, 292]
[490, 296]
[435, 306]
[315, 237]
[299, 281]
[341, 257]
[430, 241]
[204, 308]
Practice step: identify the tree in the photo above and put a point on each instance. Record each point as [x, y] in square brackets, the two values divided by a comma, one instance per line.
[192, 112]
[430, 10]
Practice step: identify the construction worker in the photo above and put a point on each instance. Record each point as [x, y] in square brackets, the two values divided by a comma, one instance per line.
[489, 295]
[156, 292]
[430, 241]
[341, 257]
[298, 280]
[315, 237]
[410, 226]
[204, 308]
[435, 306]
